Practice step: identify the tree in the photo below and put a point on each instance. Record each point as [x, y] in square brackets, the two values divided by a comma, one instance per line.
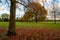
[37, 11]
[5, 17]
[54, 9]
[0, 18]
[11, 30]
[12, 24]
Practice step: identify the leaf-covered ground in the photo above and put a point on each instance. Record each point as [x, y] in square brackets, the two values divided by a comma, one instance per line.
[31, 34]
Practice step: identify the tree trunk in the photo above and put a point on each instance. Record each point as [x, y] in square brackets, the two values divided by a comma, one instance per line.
[54, 17]
[54, 14]
[36, 18]
[11, 29]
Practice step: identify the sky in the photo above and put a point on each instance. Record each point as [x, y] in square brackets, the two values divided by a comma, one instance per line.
[5, 9]
[19, 13]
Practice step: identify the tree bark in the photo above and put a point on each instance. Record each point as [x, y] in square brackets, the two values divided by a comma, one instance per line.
[11, 29]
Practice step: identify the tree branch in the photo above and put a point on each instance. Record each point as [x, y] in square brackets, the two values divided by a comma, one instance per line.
[21, 4]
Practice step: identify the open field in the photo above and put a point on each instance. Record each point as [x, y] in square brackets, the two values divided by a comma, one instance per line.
[32, 25]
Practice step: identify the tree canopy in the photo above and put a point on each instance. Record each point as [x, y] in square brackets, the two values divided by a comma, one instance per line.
[35, 10]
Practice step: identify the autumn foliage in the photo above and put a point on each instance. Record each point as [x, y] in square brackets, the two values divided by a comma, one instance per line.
[32, 34]
[37, 10]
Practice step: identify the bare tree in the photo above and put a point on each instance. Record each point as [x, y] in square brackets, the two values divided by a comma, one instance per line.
[54, 9]
[11, 30]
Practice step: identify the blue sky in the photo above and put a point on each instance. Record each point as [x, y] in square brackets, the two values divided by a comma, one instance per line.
[5, 9]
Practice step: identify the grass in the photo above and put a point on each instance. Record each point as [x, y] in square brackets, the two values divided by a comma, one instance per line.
[32, 25]
[32, 34]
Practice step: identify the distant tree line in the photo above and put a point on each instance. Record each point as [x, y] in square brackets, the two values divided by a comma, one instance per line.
[6, 17]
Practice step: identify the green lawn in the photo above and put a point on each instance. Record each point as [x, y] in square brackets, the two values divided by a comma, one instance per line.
[33, 25]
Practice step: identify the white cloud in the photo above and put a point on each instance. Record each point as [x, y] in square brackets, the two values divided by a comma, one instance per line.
[2, 8]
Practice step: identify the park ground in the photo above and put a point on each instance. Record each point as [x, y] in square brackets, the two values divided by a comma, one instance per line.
[32, 31]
